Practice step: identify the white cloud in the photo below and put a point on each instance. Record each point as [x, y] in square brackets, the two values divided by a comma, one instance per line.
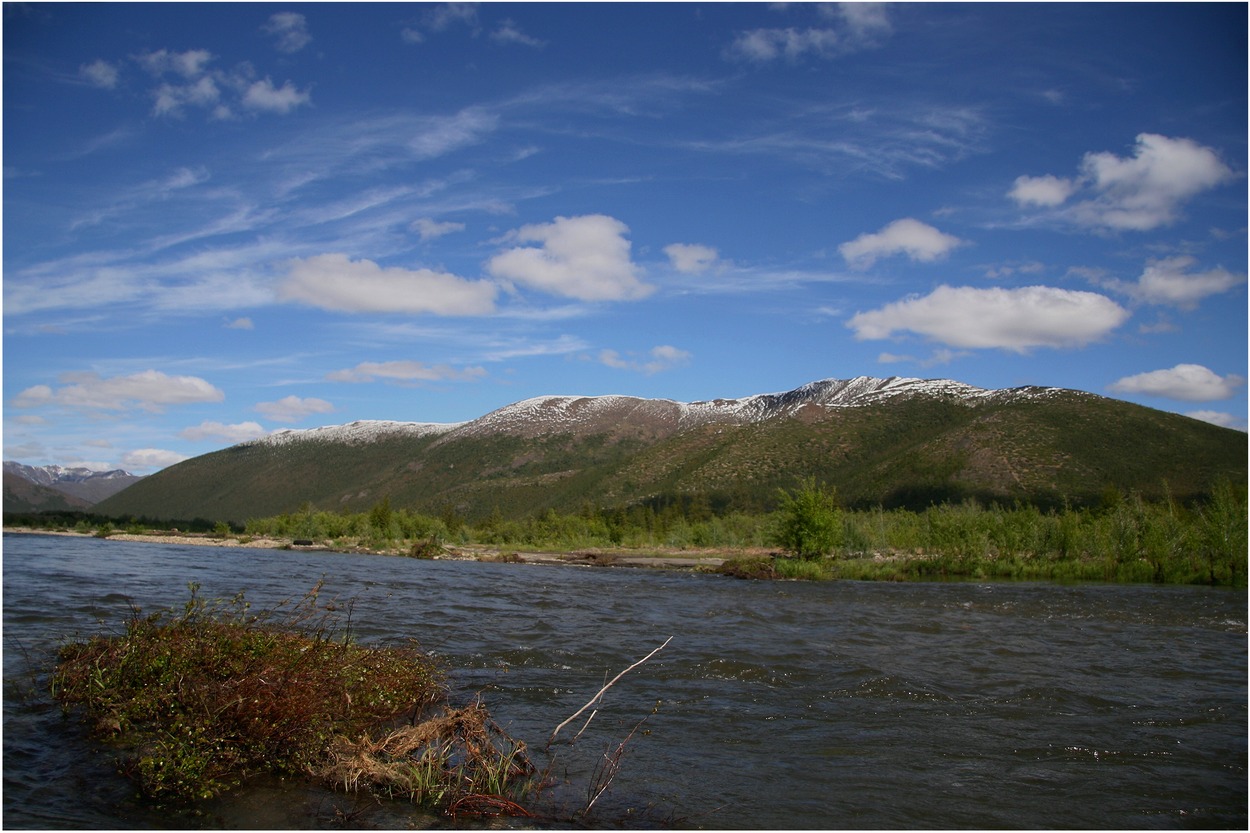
[1135, 193]
[99, 74]
[1169, 282]
[1010, 319]
[763, 45]
[583, 257]
[864, 21]
[1047, 191]
[332, 281]
[293, 409]
[404, 371]
[171, 98]
[664, 357]
[690, 257]
[216, 91]
[1218, 418]
[439, 135]
[188, 64]
[240, 324]
[149, 390]
[291, 30]
[150, 458]
[913, 238]
[443, 15]
[859, 26]
[237, 433]
[509, 33]
[430, 229]
[1185, 382]
[263, 96]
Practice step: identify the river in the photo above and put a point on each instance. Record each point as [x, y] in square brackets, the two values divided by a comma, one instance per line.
[776, 705]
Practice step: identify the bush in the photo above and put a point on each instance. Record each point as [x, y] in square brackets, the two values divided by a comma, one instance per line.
[808, 523]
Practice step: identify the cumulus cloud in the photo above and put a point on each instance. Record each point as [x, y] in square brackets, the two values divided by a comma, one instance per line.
[583, 257]
[1046, 191]
[334, 282]
[661, 358]
[690, 258]
[149, 390]
[919, 241]
[429, 229]
[1134, 193]
[1185, 382]
[1009, 319]
[237, 433]
[144, 459]
[99, 74]
[293, 409]
[404, 371]
[1170, 282]
[290, 29]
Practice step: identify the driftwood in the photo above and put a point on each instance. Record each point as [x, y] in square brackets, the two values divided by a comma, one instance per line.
[599, 695]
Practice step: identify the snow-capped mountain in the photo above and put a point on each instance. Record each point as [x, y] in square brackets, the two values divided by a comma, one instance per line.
[889, 442]
[87, 484]
[660, 417]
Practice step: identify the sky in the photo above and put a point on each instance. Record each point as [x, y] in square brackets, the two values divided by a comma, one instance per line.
[223, 220]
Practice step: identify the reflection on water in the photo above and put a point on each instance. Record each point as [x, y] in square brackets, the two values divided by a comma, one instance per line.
[834, 705]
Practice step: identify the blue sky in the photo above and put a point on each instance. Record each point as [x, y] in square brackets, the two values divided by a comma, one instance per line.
[222, 220]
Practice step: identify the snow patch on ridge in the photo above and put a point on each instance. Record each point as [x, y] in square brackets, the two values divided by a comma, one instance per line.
[356, 433]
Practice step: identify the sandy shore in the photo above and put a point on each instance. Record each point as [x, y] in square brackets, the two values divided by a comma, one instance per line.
[587, 558]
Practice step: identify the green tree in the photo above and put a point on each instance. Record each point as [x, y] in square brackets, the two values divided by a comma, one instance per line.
[809, 522]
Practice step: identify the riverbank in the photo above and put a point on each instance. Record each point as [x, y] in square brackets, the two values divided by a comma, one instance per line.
[676, 560]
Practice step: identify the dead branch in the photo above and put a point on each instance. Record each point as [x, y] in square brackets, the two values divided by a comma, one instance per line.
[595, 699]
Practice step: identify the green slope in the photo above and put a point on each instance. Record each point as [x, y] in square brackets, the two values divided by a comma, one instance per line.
[1067, 447]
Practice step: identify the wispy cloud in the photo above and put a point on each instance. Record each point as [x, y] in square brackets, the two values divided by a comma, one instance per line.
[293, 408]
[885, 141]
[658, 359]
[404, 371]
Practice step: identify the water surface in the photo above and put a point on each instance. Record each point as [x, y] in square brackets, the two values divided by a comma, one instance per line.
[776, 705]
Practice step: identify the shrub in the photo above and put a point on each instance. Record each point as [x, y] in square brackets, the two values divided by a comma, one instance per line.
[808, 523]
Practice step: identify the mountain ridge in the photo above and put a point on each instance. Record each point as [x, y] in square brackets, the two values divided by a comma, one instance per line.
[527, 415]
[891, 442]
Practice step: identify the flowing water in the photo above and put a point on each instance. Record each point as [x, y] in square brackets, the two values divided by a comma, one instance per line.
[776, 705]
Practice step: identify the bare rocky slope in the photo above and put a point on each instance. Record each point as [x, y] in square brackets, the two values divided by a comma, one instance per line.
[878, 441]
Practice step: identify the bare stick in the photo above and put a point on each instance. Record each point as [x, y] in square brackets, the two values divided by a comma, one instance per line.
[595, 699]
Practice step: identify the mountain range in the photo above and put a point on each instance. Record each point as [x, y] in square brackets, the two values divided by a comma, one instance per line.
[57, 488]
[889, 442]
